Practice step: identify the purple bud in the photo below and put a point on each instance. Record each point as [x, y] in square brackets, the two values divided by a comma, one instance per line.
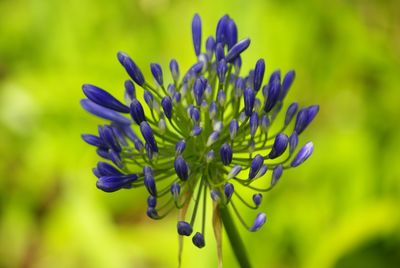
[228, 190]
[286, 83]
[210, 156]
[290, 112]
[259, 74]
[180, 147]
[181, 168]
[94, 140]
[221, 29]
[249, 98]
[184, 228]
[213, 110]
[233, 128]
[210, 46]
[257, 199]
[219, 52]
[198, 90]
[226, 154]
[152, 201]
[103, 112]
[108, 136]
[311, 113]
[148, 136]
[148, 98]
[221, 97]
[255, 166]
[279, 146]
[131, 68]
[105, 169]
[258, 222]
[303, 154]
[238, 48]
[174, 68]
[177, 96]
[152, 213]
[265, 123]
[137, 112]
[293, 141]
[103, 98]
[276, 174]
[196, 33]
[166, 103]
[130, 92]
[275, 77]
[301, 121]
[196, 130]
[273, 94]
[212, 138]
[231, 33]
[150, 184]
[198, 240]
[253, 124]
[157, 73]
[195, 114]
[175, 190]
[197, 67]
[113, 183]
[221, 70]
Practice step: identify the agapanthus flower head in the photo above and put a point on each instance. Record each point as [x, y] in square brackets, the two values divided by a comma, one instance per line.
[204, 133]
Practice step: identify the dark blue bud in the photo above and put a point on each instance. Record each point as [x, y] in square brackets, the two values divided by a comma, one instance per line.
[96, 172]
[257, 199]
[108, 136]
[231, 33]
[103, 112]
[255, 166]
[180, 147]
[273, 94]
[196, 130]
[265, 122]
[148, 171]
[293, 141]
[238, 64]
[259, 74]
[152, 201]
[213, 109]
[130, 92]
[228, 190]
[226, 154]
[233, 128]
[181, 168]
[258, 222]
[148, 136]
[113, 183]
[238, 48]
[198, 240]
[311, 113]
[106, 169]
[175, 190]
[222, 68]
[249, 98]
[197, 67]
[212, 138]
[131, 68]
[157, 73]
[171, 89]
[286, 83]
[301, 121]
[303, 154]
[220, 35]
[103, 98]
[196, 33]
[93, 140]
[234, 171]
[177, 96]
[253, 124]
[221, 97]
[137, 112]
[279, 146]
[116, 159]
[138, 145]
[174, 68]
[219, 52]
[198, 90]
[149, 152]
[148, 98]
[275, 77]
[210, 46]
[119, 135]
[290, 112]
[276, 174]
[215, 196]
[184, 228]
[152, 213]
[240, 86]
[103, 153]
[195, 114]
[166, 103]
[150, 184]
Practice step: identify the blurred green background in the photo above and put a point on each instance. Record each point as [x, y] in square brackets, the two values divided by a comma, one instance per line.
[340, 209]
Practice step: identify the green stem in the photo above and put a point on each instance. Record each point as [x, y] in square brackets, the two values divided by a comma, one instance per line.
[234, 238]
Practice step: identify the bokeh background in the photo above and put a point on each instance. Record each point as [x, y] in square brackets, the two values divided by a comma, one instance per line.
[340, 209]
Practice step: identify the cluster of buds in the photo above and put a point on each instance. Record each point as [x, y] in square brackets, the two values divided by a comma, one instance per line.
[206, 134]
